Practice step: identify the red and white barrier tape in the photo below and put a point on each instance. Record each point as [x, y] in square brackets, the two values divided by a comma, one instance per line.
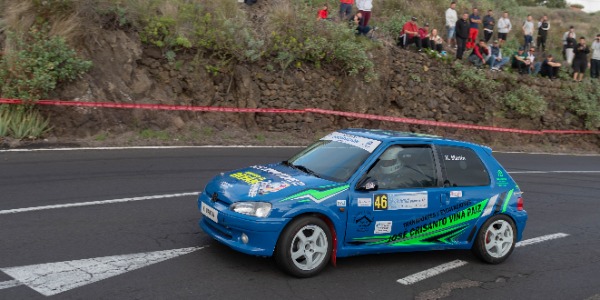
[297, 111]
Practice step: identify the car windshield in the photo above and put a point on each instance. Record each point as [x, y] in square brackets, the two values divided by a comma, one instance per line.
[330, 160]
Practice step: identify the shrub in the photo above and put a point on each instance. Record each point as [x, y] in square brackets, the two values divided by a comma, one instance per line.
[585, 102]
[26, 122]
[526, 101]
[37, 65]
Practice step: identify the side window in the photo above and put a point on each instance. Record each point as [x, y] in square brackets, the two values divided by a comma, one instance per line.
[407, 166]
[463, 167]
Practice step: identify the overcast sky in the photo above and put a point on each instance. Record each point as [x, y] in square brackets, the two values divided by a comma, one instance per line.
[588, 5]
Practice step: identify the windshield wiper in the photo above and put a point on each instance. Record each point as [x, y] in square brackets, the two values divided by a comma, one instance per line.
[306, 170]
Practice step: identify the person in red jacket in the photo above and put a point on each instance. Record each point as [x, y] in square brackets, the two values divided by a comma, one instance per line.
[346, 9]
[424, 35]
[479, 53]
[410, 34]
[322, 14]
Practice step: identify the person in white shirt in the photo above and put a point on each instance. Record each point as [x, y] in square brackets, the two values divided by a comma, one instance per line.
[451, 18]
[528, 32]
[595, 69]
[534, 67]
[364, 7]
[565, 41]
[504, 26]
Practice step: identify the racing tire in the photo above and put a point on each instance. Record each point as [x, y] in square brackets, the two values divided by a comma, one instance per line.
[496, 239]
[304, 247]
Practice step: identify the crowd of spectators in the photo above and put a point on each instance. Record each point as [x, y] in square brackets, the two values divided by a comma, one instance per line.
[462, 35]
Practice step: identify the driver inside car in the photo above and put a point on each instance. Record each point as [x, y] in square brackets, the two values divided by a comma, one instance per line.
[392, 171]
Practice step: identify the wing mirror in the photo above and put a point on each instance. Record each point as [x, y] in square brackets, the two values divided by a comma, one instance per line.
[367, 184]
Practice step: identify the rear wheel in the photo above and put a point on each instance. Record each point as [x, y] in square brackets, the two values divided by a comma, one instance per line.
[496, 239]
[304, 247]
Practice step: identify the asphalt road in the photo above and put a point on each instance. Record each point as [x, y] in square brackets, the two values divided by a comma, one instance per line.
[565, 268]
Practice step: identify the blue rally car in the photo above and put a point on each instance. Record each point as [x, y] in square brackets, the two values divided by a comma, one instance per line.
[359, 191]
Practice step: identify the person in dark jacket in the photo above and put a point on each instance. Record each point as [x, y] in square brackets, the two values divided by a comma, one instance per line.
[462, 35]
[488, 26]
[580, 60]
[550, 68]
[543, 27]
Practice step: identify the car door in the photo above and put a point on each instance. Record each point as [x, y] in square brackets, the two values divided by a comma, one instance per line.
[408, 191]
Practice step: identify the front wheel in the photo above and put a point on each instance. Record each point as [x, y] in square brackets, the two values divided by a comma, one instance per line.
[304, 247]
[496, 239]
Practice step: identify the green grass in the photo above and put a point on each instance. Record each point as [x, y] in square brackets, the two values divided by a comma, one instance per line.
[150, 134]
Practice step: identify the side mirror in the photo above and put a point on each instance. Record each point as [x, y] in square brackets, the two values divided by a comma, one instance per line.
[367, 184]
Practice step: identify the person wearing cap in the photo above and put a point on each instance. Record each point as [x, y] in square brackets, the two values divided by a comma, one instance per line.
[504, 26]
[462, 35]
[595, 68]
[520, 61]
[451, 18]
[495, 59]
[365, 6]
[580, 60]
[424, 36]
[410, 34]
[488, 26]
[543, 27]
[474, 21]
[570, 32]
[550, 68]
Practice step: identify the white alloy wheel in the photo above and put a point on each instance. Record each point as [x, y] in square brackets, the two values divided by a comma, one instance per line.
[309, 247]
[499, 238]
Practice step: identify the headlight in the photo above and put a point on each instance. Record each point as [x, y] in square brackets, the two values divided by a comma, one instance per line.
[257, 209]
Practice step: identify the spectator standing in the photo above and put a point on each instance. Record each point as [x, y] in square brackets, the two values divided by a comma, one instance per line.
[345, 9]
[474, 21]
[580, 61]
[435, 41]
[595, 71]
[543, 27]
[424, 35]
[488, 26]
[569, 47]
[528, 31]
[451, 19]
[365, 6]
[520, 61]
[410, 34]
[478, 54]
[504, 27]
[564, 40]
[462, 35]
[550, 68]
[495, 59]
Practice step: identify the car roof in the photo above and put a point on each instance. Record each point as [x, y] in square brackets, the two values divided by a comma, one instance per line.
[385, 135]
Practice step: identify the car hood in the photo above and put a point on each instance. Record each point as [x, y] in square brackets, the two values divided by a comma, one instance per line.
[268, 183]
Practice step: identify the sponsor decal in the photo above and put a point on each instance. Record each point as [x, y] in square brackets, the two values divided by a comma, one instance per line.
[397, 201]
[248, 177]
[501, 180]
[382, 227]
[361, 142]
[363, 221]
[455, 194]
[364, 202]
[341, 203]
[265, 187]
[318, 194]
[283, 176]
[443, 226]
[225, 185]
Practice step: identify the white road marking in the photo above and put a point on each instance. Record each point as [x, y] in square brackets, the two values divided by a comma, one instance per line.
[144, 148]
[408, 280]
[550, 172]
[541, 239]
[9, 284]
[36, 208]
[545, 153]
[431, 272]
[54, 278]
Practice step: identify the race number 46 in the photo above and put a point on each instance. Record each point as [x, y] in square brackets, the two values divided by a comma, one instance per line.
[380, 202]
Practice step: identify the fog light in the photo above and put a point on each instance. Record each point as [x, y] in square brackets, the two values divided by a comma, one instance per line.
[244, 238]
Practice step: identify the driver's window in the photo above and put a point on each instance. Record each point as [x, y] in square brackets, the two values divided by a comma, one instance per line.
[404, 167]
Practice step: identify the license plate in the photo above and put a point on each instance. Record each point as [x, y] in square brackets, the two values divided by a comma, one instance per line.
[210, 212]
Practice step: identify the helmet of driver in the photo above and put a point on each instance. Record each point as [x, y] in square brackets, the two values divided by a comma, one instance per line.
[389, 162]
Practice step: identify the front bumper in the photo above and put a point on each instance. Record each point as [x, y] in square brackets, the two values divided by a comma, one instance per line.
[262, 232]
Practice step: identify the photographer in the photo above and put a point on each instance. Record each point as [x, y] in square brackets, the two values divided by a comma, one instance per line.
[580, 61]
